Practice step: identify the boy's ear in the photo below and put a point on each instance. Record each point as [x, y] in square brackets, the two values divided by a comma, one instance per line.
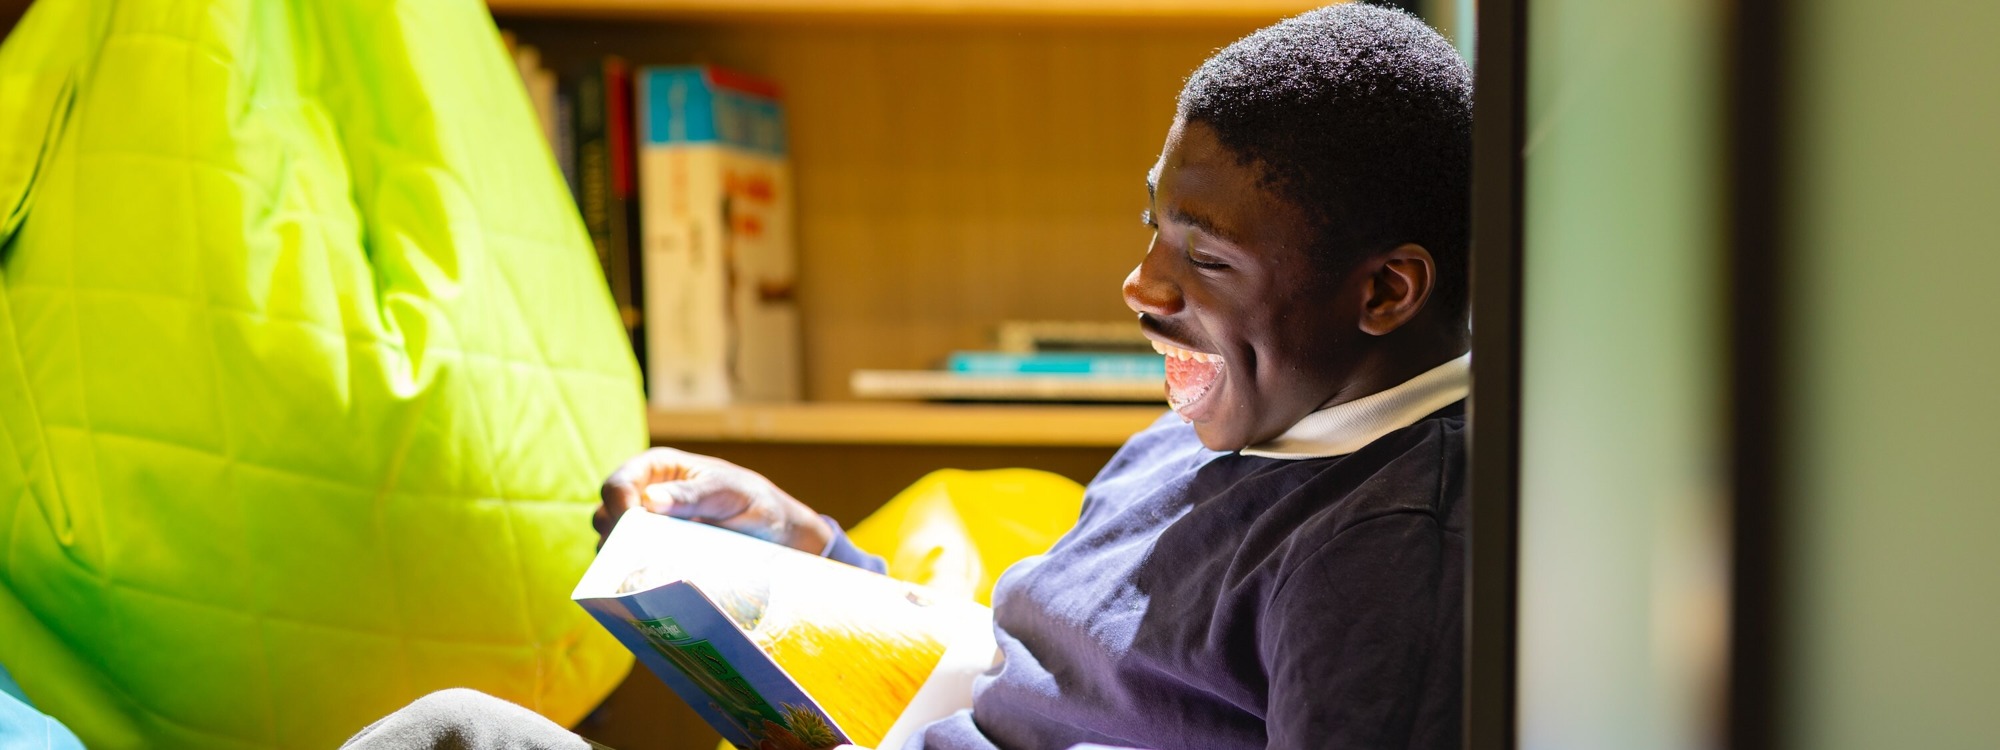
[1399, 283]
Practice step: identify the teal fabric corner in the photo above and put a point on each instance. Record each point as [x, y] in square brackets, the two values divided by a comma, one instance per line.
[24, 728]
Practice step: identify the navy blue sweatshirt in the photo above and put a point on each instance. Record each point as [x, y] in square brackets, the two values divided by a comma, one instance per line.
[1281, 598]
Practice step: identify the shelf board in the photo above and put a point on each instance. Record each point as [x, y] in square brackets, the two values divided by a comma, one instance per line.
[1105, 10]
[864, 422]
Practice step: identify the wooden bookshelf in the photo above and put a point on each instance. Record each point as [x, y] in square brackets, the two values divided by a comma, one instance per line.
[1064, 11]
[948, 176]
[863, 423]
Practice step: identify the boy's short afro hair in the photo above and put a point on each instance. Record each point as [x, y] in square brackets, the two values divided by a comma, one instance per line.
[1362, 117]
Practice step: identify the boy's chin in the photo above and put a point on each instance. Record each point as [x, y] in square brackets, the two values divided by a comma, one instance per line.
[1219, 435]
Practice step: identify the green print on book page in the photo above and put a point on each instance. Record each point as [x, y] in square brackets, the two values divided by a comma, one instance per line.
[664, 628]
[708, 670]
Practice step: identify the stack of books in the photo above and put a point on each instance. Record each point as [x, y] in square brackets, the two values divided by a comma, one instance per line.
[1079, 362]
[682, 178]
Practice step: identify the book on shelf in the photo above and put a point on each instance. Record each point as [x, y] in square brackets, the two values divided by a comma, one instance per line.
[945, 385]
[780, 649]
[1029, 336]
[564, 140]
[586, 115]
[1045, 361]
[544, 98]
[1150, 365]
[718, 265]
[602, 92]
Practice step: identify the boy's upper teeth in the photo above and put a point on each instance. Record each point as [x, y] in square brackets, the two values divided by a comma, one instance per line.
[1183, 354]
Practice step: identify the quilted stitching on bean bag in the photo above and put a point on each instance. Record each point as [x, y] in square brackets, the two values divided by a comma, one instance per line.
[307, 373]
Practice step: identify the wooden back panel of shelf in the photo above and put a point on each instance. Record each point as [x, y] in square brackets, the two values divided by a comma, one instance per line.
[949, 176]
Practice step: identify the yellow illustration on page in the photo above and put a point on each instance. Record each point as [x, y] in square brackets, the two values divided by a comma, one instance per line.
[859, 644]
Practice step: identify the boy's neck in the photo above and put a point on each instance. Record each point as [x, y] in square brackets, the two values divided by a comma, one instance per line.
[1398, 358]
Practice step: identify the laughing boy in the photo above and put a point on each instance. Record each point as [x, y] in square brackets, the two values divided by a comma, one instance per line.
[1279, 562]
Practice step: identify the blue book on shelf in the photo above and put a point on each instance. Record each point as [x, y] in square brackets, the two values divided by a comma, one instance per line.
[1079, 364]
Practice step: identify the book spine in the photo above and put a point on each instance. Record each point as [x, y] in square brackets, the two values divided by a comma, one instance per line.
[565, 135]
[1079, 365]
[621, 201]
[541, 86]
[681, 315]
[604, 184]
[715, 194]
[594, 174]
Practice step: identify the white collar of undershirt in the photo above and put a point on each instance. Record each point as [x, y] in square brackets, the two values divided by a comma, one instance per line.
[1344, 428]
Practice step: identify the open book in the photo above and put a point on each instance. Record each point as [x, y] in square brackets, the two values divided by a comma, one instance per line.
[780, 649]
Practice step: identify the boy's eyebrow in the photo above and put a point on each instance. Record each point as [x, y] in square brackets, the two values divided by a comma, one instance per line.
[1183, 217]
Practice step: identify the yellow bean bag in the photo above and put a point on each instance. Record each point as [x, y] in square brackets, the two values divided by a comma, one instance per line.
[307, 374]
[956, 531]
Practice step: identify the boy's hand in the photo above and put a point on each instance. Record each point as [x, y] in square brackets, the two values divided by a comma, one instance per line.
[713, 491]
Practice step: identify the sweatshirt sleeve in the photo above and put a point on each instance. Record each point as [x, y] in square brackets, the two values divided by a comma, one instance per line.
[842, 549]
[1361, 643]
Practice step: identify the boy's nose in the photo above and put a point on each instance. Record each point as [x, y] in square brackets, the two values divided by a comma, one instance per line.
[1147, 290]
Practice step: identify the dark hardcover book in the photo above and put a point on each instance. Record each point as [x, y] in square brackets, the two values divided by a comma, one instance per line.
[592, 170]
[603, 97]
[1031, 336]
[565, 136]
[623, 125]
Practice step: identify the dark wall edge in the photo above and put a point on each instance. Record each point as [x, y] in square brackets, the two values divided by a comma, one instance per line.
[1491, 588]
[1753, 273]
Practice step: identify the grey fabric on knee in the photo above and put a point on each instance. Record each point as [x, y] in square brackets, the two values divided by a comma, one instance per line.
[461, 719]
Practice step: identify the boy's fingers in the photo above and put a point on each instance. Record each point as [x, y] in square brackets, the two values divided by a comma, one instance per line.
[670, 498]
[602, 520]
[621, 490]
[702, 496]
[618, 498]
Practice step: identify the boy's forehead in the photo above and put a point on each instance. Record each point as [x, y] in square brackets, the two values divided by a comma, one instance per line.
[1200, 183]
[1195, 153]
[1176, 163]
[1166, 151]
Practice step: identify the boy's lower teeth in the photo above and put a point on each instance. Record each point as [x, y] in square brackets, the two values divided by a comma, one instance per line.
[1189, 380]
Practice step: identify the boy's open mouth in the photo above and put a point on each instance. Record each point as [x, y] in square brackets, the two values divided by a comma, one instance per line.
[1190, 375]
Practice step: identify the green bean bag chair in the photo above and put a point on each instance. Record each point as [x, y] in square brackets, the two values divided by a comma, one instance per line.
[307, 375]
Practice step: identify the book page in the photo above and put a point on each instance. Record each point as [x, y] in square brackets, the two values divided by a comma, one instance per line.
[861, 646]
